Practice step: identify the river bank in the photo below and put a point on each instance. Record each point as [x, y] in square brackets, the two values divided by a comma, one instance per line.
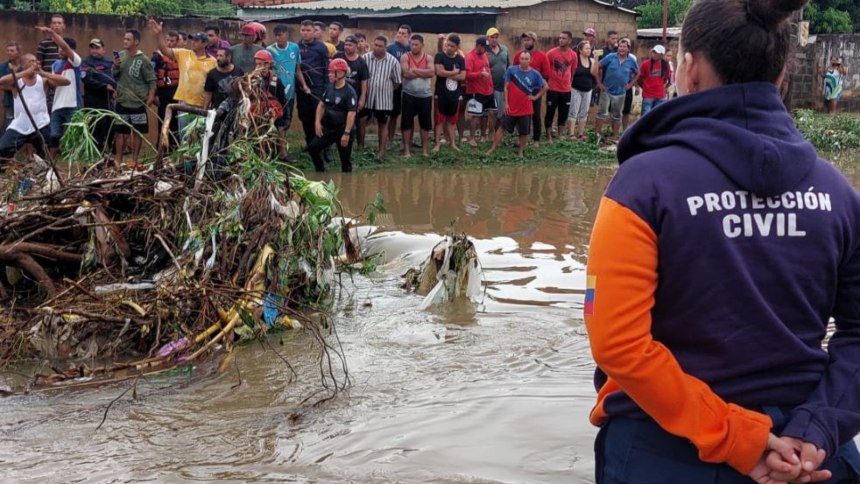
[836, 137]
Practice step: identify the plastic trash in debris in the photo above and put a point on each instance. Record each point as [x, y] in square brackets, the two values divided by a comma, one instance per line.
[172, 347]
[24, 185]
[109, 288]
[270, 309]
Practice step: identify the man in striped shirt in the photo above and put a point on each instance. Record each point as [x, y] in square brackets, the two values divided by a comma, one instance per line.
[385, 77]
[48, 51]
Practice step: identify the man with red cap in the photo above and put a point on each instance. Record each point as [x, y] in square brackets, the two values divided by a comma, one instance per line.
[335, 118]
[243, 52]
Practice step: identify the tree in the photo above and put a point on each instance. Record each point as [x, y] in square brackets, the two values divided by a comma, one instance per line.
[833, 16]
[651, 13]
[824, 16]
[212, 8]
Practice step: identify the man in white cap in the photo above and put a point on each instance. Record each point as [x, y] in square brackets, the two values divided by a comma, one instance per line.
[654, 78]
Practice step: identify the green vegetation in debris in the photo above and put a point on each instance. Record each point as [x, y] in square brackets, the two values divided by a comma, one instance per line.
[830, 133]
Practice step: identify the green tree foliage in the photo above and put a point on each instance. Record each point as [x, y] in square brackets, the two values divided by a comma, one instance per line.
[825, 16]
[833, 16]
[213, 8]
[651, 13]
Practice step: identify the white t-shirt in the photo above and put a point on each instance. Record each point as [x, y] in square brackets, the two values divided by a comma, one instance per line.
[67, 96]
[37, 103]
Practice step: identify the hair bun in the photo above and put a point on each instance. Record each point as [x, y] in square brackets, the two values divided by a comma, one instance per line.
[771, 13]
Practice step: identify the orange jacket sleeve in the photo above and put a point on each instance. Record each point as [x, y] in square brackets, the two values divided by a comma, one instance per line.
[622, 269]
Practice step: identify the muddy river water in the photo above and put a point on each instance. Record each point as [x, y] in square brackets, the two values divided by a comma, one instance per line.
[494, 393]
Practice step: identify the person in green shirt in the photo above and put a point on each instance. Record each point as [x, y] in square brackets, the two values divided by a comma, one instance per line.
[135, 90]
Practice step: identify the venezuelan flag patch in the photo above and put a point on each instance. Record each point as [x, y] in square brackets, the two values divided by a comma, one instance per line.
[590, 288]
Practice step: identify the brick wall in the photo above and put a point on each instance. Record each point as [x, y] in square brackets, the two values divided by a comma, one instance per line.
[808, 88]
[548, 19]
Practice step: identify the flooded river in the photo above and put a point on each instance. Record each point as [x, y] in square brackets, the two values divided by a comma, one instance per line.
[498, 393]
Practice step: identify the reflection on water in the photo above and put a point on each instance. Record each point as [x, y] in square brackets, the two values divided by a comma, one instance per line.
[458, 394]
[540, 208]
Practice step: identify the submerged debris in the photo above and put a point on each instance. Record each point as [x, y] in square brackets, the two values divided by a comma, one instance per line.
[451, 271]
[115, 275]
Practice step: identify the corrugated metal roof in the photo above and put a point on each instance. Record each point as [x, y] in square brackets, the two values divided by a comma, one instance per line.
[382, 5]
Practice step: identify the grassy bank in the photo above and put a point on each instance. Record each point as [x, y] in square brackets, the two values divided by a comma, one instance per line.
[562, 152]
[836, 137]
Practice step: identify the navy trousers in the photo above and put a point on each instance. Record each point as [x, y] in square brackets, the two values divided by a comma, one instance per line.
[634, 451]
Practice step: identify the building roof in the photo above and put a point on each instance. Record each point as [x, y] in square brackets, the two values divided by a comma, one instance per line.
[403, 7]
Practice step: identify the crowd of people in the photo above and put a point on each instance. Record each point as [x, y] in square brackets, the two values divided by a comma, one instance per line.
[336, 84]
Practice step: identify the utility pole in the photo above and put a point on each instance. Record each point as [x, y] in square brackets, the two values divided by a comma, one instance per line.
[665, 20]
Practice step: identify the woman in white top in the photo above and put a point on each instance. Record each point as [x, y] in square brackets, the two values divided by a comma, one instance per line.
[32, 128]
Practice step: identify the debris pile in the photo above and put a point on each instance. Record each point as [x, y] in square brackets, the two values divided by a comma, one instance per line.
[126, 274]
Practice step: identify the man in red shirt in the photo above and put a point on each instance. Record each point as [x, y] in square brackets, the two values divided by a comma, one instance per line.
[654, 76]
[479, 88]
[562, 62]
[540, 64]
[523, 87]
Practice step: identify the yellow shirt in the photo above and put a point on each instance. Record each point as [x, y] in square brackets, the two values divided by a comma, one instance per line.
[332, 49]
[192, 75]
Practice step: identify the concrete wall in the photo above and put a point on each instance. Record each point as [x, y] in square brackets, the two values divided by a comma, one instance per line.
[808, 88]
[548, 19]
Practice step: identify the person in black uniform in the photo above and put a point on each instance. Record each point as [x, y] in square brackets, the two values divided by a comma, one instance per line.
[335, 118]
